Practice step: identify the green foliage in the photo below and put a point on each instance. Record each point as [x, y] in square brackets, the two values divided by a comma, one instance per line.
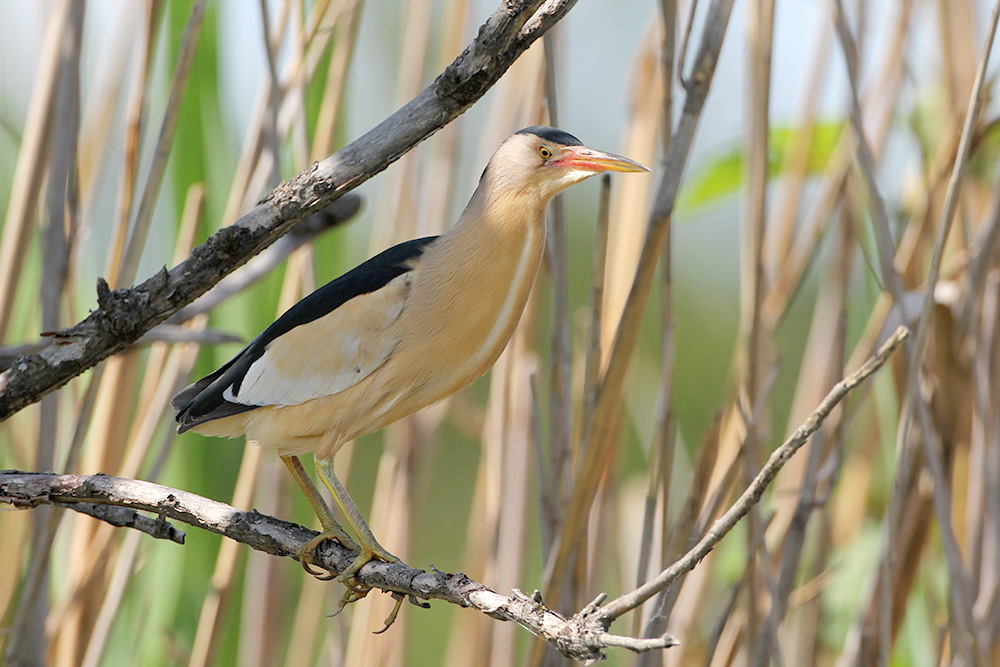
[199, 124]
[723, 176]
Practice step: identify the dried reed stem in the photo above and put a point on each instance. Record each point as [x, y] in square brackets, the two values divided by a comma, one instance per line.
[596, 452]
[753, 493]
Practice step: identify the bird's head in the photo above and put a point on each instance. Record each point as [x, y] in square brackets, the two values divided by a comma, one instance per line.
[541, 162]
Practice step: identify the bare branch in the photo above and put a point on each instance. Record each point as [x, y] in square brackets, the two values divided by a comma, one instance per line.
[584, 636]
[608, 397]
[122, 517]
[124, 315]
[334, 215]
[752, 495]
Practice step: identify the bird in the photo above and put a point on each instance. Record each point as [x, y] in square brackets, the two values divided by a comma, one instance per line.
[399, 332]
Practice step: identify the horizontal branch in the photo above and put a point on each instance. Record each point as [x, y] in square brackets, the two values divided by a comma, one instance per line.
[583, 636]
[124, 315]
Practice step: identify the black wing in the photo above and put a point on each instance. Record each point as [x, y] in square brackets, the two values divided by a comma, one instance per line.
[203, 401]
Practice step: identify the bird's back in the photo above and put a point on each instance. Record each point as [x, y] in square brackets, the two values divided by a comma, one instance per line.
[222, 394]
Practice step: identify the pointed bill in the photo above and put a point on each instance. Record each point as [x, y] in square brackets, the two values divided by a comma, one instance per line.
[587, 159]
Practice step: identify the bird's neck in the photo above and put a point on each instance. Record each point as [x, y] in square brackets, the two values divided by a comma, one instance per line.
[497, 244]
[502, 211]
[484, 268]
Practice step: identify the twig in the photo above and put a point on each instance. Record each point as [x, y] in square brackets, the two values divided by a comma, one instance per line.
[557, 254]
[124, 517]
[658, 492]
[751, 496]
[29, 174]
[883, 234]
[592, 361]
[914, 401]
[951, 197]
[173, 333]
[334, 215]
[126, 314]
[686, 82]
[689, 524]
[583, 636]
[166, 333]
[754, 333]
[61, 221]
[274, 98]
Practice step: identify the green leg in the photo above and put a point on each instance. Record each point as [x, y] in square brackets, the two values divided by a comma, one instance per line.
[370, 548]
[331, 529]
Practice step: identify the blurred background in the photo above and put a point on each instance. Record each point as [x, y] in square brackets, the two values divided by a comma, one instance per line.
[131, 131]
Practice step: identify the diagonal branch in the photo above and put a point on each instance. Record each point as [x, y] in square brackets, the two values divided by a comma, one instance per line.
[124, 315]
[170, 331]
[752, 494]
[583, 636]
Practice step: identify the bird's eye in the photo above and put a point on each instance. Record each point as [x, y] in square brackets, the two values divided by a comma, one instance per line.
[545, 152]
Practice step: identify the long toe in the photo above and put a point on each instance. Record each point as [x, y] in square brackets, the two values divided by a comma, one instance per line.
[368, 553]
[391, 618]
[355, 589]
[307, 553]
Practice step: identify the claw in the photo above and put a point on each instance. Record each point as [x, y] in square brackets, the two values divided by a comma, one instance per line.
[391, 618]
[309, 549]
[321, 575]
[355, 591]
[417, 602]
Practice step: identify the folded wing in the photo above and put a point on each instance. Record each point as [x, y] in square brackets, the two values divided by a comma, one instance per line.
[331, 340]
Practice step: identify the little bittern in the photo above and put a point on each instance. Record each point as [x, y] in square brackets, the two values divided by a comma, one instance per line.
[408, 327]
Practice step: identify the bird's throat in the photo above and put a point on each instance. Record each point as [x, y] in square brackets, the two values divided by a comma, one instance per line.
[492, 267]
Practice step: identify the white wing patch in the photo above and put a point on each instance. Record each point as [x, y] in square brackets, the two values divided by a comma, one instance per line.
[329, 354]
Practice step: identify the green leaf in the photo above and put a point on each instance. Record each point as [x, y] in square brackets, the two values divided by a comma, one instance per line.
[723, 176]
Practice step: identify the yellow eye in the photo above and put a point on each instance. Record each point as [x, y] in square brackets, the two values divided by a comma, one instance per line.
[545, 152]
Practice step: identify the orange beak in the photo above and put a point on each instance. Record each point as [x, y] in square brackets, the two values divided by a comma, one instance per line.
[587, 159]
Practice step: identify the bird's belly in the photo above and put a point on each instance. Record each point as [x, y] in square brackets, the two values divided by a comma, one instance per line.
[475, 312]
[320, 426]
[407, 382]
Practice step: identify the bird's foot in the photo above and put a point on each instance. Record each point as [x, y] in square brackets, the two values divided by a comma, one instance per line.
[391, 618]
[357, 590]
[368, 550]
[307, 552]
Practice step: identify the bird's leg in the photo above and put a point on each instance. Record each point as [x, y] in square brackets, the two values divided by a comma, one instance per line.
[331, 529]
[370, 548]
